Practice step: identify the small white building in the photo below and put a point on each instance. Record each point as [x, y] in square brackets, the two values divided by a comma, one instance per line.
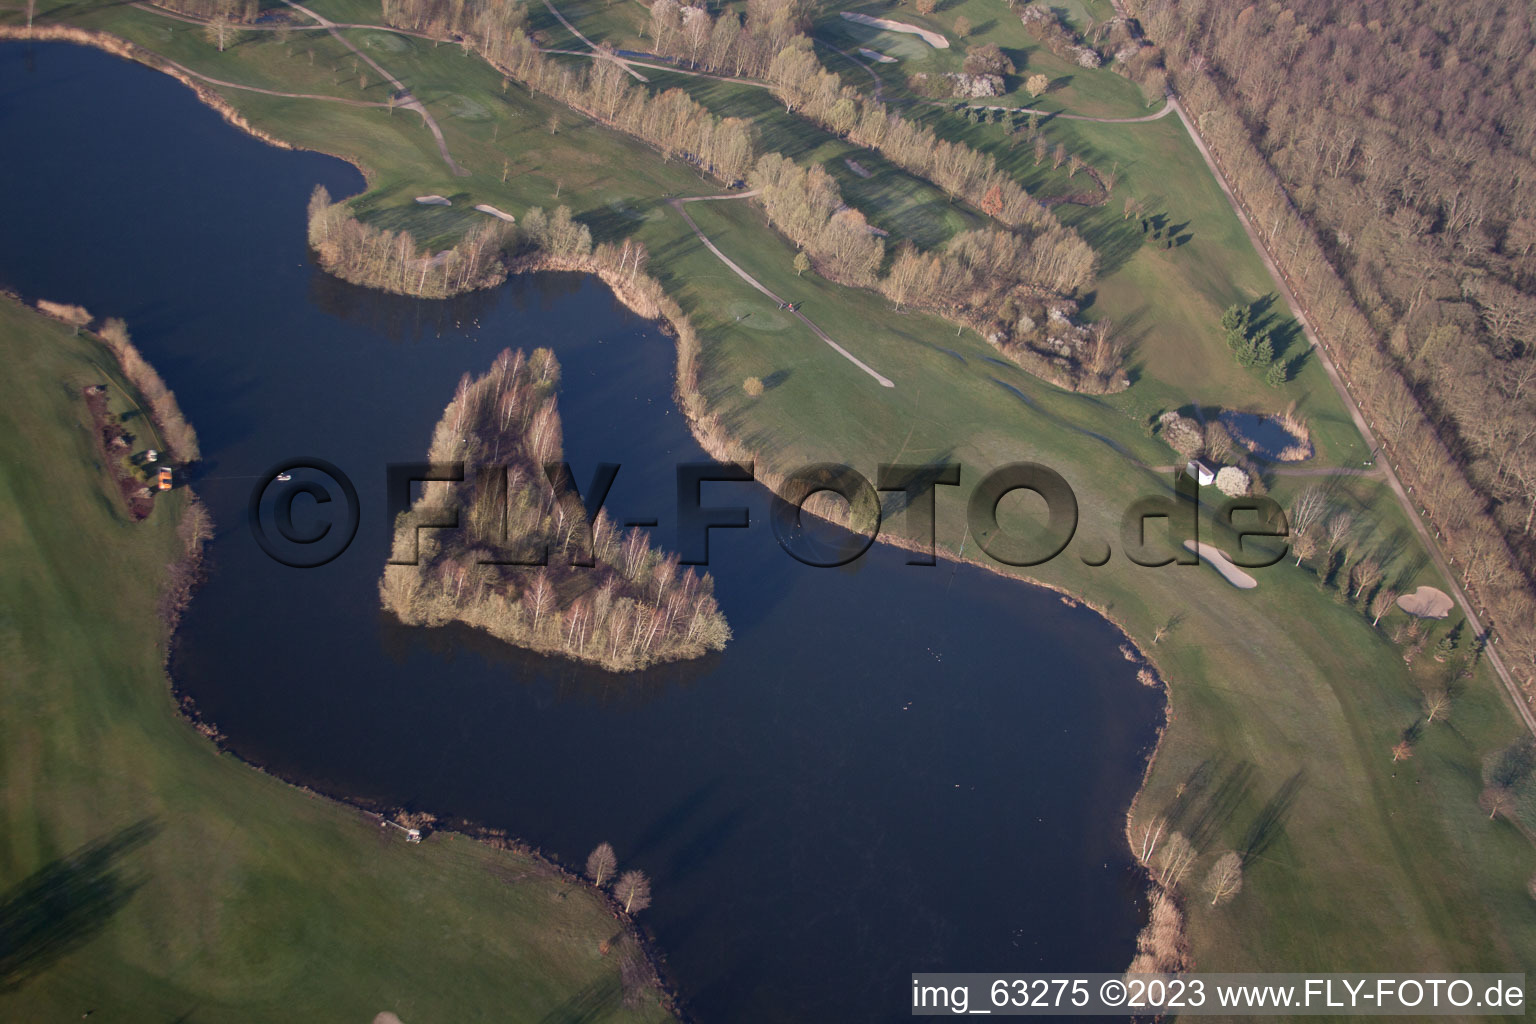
[1203, 474]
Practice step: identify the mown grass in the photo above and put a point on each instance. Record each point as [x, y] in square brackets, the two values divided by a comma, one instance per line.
[224, 894]
[1095, 93]
[1372, 864]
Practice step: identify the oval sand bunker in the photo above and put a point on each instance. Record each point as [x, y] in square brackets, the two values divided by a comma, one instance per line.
[1426, 603]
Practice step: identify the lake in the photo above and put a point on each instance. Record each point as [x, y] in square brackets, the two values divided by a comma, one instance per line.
[890, 769]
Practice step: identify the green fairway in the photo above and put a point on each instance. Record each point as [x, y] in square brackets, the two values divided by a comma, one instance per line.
[1285, 701]
[147, 875]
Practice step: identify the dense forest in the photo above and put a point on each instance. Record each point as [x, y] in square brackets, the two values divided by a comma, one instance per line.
[1387, 153]
[622, 605]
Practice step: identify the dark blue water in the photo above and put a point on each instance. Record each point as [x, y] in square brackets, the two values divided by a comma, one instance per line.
[890, 769]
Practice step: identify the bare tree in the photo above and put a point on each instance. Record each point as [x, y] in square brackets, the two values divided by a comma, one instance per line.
[1304, 544]
[1437, 705]
[1148, 836]
[1226, 878]
[1337, 530]
[1218, 445]
[219, 30]
[1497, 800]
[601, 863]
[1174, 861]
[1307, 509]
[1366, 573]
[633, 891]
[1402, 750]
[1382, 603]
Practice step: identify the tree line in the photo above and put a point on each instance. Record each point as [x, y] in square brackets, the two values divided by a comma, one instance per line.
[1055, 35]
[239, 11]
[176, 433]
[671, 121]
[1412, 152]
[390, 260]
[808, 89]
[1459, 436]
[622, 605]
[995, 281]
[456, 19]
[1003, 284]
[728, 43]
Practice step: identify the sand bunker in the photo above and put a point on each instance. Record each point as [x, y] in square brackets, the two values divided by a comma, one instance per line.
[876, 55]
[857, 168]
[1231, 573]
[501, 214]
[1426, 603]
[434, 201]
[933, 39]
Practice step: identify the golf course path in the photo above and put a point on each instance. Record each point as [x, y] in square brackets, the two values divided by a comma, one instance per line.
[1299, 311]
[1167, 109]
[631, 62]
[408, 101]
[677, 204]
[269, 92]
[573, 30]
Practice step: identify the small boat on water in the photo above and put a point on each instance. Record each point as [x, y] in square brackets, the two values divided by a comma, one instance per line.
[283, 477]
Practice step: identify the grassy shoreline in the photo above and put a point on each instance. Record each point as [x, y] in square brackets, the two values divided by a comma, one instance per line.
[1287, 679]
[177, 878]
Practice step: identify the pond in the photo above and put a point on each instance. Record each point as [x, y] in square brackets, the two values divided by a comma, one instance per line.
[890, 769]
[1266, 436]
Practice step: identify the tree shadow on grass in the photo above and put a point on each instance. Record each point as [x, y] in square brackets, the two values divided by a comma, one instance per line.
[1209, 798]
[1266, 313]
[595, 1002]
[1270, 821]
[65, 904]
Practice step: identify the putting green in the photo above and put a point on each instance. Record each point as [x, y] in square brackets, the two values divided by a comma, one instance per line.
[756, 316]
